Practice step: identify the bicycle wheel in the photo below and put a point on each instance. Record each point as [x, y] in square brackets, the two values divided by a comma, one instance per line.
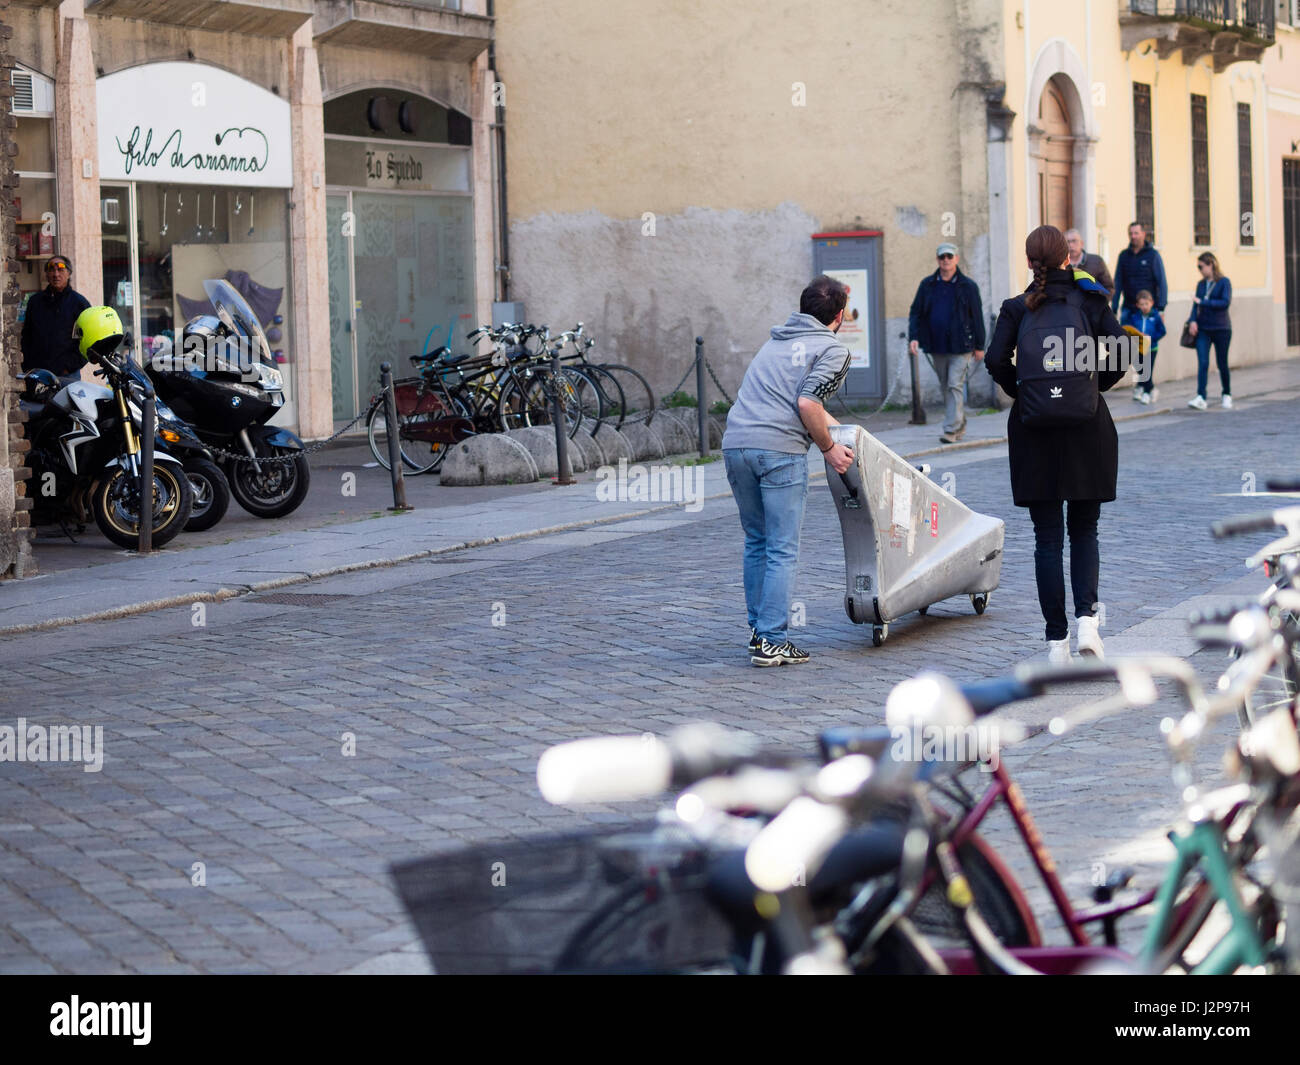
[512, 407]
[639, 397]
[998, 902]
[539, 392]
[613, 402]
[590, 398]
[418, 456]
[1277, 687]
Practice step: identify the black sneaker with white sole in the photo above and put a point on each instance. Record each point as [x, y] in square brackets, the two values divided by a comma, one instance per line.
[770, 654]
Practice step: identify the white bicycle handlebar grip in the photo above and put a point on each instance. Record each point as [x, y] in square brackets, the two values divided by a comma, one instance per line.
[606, 769]
[790, 848]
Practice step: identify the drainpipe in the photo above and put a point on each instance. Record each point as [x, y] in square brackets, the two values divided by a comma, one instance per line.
[503, 266]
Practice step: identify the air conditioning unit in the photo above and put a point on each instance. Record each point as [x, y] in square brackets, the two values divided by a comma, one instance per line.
[33, 94]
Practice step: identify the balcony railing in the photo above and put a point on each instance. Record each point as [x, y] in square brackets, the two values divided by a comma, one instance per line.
[1255, 18]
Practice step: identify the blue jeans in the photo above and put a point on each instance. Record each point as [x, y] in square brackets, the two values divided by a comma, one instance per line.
[770, 489]
[1220, 338]
[1049, 543]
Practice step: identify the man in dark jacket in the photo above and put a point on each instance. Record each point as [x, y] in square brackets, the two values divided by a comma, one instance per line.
[1139, 268]
[1088, 262]
[47, 325]
[947, 322]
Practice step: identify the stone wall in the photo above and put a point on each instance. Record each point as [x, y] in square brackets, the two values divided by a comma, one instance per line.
[15, 533]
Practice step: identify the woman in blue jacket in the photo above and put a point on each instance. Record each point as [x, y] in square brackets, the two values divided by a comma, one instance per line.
[1209, 324]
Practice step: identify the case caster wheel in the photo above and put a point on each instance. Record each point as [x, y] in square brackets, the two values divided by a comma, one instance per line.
[923, 611]
[878, 634]
[980, 601]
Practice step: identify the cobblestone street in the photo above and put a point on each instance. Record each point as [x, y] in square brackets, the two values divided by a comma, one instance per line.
[224, 741]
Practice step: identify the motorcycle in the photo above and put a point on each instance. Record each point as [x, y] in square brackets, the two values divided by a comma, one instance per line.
[208, 482]
[85, 458]
[225, 385]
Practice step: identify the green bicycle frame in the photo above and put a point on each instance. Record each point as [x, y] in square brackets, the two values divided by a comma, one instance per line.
[1241, 944]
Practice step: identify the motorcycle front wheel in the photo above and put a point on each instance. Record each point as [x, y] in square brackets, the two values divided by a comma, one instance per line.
[278, 490]
[115, 501]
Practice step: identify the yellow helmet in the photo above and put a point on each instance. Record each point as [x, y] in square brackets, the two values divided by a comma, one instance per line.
[98, 331]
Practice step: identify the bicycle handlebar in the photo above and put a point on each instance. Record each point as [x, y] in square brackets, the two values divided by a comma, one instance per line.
[1248, 523]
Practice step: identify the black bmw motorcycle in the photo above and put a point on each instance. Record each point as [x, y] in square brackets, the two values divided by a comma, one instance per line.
[225, 385]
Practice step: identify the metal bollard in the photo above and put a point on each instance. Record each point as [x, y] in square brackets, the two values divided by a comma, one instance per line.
[918, 411]
[564, 468]
[148, 427]
[394, 448]
[700, 413]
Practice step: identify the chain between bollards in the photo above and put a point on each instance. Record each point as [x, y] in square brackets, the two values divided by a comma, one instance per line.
[394, 448]
[563, 468]
[148, 427]
[700, 413]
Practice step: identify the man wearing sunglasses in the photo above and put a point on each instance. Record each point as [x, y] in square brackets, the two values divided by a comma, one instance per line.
[47, 324]
[947, 322]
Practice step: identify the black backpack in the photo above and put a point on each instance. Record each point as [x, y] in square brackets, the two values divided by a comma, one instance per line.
[1052, 390]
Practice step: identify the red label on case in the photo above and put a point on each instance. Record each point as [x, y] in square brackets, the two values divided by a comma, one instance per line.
[934, 519]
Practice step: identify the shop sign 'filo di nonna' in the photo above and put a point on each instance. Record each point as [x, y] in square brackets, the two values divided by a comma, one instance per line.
[191, 123]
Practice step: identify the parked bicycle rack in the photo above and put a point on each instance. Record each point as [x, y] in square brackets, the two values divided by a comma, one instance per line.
[907, 542]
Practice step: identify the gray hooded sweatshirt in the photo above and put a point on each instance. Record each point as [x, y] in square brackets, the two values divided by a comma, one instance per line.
[803, 358]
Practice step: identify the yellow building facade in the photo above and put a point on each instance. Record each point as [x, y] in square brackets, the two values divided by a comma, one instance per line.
[679, 169]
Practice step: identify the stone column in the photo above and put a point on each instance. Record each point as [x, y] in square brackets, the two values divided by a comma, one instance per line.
[483, 182]
[77, 152]
[309, 265]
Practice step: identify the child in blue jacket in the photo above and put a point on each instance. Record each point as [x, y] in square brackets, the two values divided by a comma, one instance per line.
[1147, 321]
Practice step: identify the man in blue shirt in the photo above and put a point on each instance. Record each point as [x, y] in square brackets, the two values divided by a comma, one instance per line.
[947, 321]
[1139, 269]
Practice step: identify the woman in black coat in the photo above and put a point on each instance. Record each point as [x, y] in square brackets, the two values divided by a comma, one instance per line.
[1076, 464]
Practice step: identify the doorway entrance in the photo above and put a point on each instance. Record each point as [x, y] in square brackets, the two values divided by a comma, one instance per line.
[1056, 165]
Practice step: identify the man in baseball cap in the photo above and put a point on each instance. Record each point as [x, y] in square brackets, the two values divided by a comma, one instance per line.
[47, 325]
[947, 322]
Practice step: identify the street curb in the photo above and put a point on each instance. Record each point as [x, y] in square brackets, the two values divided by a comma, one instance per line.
[223, 594]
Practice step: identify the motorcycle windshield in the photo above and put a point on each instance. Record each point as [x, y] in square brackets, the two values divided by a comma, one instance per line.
[234, 311]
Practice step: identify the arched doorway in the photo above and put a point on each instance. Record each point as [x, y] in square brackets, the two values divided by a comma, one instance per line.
[1056, 163]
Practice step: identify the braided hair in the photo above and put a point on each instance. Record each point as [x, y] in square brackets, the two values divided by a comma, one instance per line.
[1046, 249]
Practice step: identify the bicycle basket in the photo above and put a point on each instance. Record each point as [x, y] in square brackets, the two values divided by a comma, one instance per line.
[413, 397]
[626, 900]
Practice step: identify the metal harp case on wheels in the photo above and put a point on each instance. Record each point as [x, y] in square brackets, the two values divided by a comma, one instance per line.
[907, 542]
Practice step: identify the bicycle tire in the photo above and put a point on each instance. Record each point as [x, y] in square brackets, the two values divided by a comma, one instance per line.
[997, 898]
[640, 397]
[590, 397]
[417, 456]
[612, 397]
[512, 410]
[538, 393]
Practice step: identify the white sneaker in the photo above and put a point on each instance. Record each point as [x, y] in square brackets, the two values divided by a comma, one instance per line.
[1145, 399]
[1227, 403]
[1089, 639]
[1058, 652]
[1197, 402]
[1154, 394]
[1137, 394]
